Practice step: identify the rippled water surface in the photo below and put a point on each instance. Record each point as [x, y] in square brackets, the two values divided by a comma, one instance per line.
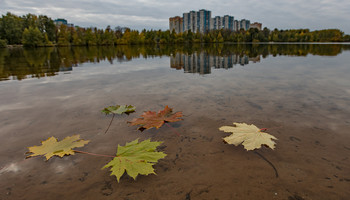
[300, 92]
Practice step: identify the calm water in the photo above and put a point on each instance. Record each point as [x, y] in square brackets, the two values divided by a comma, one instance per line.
[300, 91]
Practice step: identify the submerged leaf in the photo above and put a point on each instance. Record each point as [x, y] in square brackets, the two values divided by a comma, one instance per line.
[152, 119]
[250, 136]
[119, 109]
[51, 147]
[135, 158]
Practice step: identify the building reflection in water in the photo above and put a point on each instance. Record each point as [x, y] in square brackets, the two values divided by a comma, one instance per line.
[203, 62]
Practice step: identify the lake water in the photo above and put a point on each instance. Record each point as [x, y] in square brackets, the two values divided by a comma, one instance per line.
[300, 92]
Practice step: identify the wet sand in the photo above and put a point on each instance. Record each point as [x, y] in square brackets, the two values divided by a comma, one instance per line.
[308, 113]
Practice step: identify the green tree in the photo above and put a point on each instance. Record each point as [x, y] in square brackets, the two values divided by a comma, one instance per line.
[188, 37]
[219, 38]
[47, 41]
[90, 37]
[32, 37]
[46, 25]
[3, 43]
[78, 38]
[11, 28]
[346, 38]
[108, 36]
[63, 36]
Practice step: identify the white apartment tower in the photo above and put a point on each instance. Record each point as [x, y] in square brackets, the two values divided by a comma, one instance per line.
[197, 21]
[228, 22]
[245, 24]
[216, 23]
[204, 20]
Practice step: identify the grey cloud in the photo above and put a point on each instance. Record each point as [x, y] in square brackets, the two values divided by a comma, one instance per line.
[139, 14]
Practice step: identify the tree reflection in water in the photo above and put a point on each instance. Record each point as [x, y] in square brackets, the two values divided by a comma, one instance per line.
[21, 63]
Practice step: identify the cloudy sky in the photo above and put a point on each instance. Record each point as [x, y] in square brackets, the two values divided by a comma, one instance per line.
[154, 14]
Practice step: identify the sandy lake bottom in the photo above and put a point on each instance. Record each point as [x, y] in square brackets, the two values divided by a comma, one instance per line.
[303, 101]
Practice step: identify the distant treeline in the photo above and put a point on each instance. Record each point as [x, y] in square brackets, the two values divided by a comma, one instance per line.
[33, 31]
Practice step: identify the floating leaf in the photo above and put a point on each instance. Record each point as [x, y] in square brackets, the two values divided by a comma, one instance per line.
[51, 147]
[135, 158]
[119, 109]
[250, 136]
[152, 119]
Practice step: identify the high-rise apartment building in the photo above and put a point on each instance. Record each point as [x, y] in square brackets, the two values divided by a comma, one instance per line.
[59, 22]
[181, 25]
[244, 24]
[216, 23]
[204, 20]
[186, 22]
[176, 24]
[227, 22]
[193, 21]
[256, 25]
[235, 25]
[201, 21]
[197, 21]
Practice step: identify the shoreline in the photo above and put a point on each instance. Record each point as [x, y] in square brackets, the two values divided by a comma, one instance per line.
[201, 43]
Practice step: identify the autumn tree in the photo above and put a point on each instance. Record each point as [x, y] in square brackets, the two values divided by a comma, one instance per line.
[63, 36]
[219, 38]
[108, 37]
[90, 37]
[32, 37]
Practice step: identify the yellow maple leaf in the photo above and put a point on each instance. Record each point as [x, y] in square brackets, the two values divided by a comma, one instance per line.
[250, 136]
[51, 147]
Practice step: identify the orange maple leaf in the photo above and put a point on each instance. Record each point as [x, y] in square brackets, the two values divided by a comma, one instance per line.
[152, 119]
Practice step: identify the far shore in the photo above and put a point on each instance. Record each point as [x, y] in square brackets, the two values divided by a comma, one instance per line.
[55, 45]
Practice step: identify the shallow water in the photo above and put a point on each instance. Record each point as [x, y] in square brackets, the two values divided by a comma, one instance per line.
[300, 92]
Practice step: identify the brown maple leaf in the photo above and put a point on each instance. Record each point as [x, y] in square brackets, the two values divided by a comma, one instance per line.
[152, 119]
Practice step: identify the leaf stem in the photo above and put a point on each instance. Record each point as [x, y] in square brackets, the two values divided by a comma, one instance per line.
[265, 129]
[173, 129]
[94, 154]
[270, 163]
[110, 123]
